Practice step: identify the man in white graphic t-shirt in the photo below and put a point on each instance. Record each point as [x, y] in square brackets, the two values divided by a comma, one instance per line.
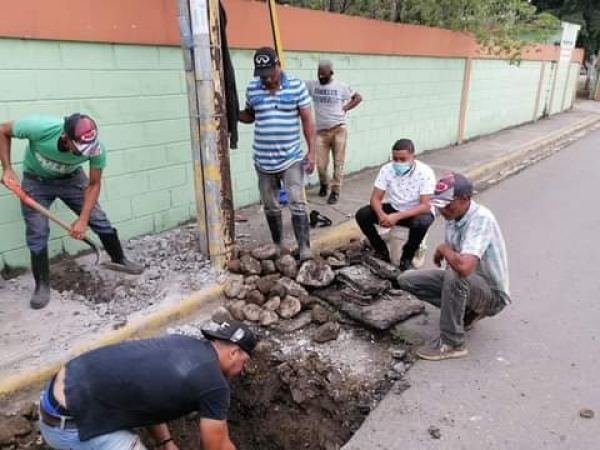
[332, 99]
[407, 185]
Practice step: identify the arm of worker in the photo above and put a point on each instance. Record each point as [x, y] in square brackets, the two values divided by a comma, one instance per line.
[476, 240]
[247, 115]
[162, 437]
[214, 435]
[310, 135]
[6, 134]
[423, 208]
[376, 203]
[92, 192]
[355, 99]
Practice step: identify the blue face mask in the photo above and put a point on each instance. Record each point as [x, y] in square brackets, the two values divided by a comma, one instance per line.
[401, 168]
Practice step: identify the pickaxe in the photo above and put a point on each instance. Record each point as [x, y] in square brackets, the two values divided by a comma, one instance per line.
[15, 187]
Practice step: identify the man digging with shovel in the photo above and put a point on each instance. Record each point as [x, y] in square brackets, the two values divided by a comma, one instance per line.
[56, 150]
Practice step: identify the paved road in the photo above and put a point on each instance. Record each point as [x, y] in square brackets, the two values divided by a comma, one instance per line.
[533, 367]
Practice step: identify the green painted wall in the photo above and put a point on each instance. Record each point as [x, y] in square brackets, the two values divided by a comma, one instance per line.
[502, 95]
[137, 95]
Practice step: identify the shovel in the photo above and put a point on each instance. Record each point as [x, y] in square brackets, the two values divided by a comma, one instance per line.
[19, 192]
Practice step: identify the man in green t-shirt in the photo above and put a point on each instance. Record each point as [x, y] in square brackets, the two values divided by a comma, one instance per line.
[52, 169]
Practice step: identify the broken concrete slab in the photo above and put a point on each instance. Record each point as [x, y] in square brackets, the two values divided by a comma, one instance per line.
[383, 312]
[315, 273]
[362, 280]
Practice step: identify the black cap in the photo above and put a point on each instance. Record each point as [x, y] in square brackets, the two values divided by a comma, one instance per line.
[449, 187]
[265, 60]
[231, 331]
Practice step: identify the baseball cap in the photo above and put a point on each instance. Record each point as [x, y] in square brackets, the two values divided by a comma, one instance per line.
[450, 187]
[265, 60]
[83, 132]
[231, 331]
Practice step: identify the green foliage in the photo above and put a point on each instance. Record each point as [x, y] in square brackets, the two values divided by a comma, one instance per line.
[583, 12]
[500, 26]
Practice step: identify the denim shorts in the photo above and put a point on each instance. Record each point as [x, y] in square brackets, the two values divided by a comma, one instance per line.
[68, 439]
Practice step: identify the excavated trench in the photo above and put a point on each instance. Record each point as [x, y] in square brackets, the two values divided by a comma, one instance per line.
[330, 351]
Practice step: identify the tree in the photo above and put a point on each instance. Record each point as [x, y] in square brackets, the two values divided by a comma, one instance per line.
[583, 12]
[500, 26]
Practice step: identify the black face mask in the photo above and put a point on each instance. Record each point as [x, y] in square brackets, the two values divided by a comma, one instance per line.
[324, 80]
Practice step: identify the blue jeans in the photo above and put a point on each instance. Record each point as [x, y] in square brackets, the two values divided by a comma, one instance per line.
[68, 439]
[71, 191]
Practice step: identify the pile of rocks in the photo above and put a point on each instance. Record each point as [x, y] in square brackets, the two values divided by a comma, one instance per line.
[266, 285]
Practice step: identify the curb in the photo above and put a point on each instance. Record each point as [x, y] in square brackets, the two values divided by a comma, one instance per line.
[339, 235]
[479, 171]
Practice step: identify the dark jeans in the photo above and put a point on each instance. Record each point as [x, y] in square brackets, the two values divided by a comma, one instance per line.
[71, 191]
[454, 295]
[417, 229]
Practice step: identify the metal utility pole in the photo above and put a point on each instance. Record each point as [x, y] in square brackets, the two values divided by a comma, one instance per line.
[201, 42]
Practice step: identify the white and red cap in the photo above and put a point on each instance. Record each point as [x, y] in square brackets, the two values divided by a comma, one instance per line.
[83, 132]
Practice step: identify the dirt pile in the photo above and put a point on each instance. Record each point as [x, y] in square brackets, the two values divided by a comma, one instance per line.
[174, 266]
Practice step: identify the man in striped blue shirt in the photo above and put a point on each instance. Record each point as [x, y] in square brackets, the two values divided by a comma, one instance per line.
[278, 104]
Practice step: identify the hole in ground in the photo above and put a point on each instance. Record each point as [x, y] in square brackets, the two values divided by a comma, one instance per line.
[285, 403]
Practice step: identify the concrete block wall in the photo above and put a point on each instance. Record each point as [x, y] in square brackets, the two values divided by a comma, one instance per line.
[501, 95]
[138, 96]
[412, 97]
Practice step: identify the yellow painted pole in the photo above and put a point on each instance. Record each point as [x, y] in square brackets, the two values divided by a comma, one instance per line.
[274, 19]
[275, 31]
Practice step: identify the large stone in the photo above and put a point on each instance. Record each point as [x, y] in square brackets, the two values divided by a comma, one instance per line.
[302, 320]
[244, 292]
[255, 297]
[382, 313]
[265, 284]
[235, 266]
[252, 312]
[236, 309]
[362, 280]
[287, 265]
[279, 290]
[307, 301]
[268, 318]
[381, 268]
[250, 265]
[266, 251]
[320, 315]
[221, 315]
[12, 427]
[290, 306]
[268, 267]
[327, 332]
[337, 263]
[291, 287]
[315, 273]
[233, 285]
[272, 304]
[251, 280]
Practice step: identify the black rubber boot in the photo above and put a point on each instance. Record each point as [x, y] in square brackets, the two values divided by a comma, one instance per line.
[302, 233]
[276, 227]
[40, 266]
[113, 247]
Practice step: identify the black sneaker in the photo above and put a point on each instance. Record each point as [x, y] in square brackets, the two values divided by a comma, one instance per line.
[406, 264]
[323, 191]
[333, 198]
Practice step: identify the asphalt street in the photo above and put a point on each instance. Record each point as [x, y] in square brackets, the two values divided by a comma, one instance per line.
[533, 367]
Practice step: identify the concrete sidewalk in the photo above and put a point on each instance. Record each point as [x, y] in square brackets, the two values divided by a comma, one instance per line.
[478, 159]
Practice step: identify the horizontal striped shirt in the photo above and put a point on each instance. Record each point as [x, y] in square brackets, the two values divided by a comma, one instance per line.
[277, 137]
